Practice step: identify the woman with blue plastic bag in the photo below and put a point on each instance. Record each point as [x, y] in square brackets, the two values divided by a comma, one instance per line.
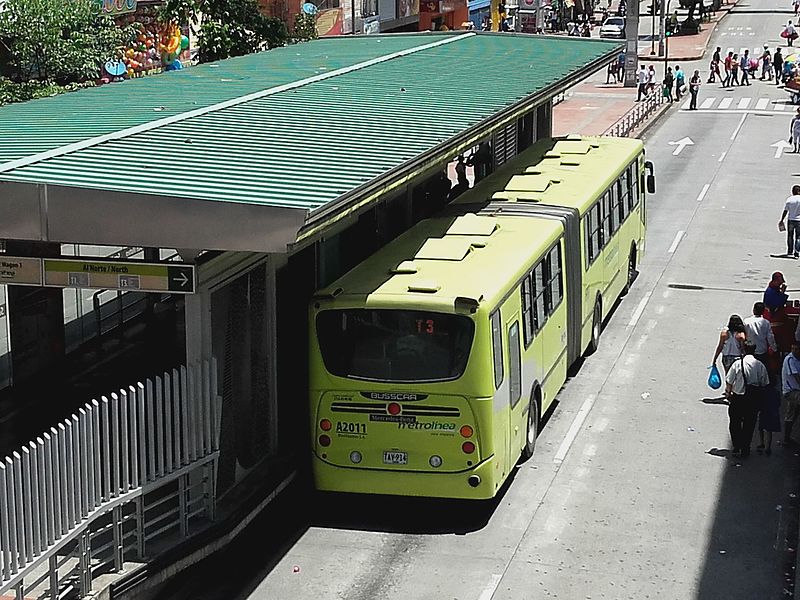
[731, 340]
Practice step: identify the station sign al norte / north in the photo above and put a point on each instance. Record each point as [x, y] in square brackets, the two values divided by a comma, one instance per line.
[176, 278]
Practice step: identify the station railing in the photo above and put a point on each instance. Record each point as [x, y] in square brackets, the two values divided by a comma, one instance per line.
[98, 488]
[638, 114]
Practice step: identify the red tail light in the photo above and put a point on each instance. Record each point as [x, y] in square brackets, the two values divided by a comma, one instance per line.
[324, 440]
[468, 447]
[466, 431]
[325, 425]
[393, 408]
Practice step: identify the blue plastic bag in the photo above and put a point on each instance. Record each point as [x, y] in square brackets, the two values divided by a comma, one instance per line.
[714, 379]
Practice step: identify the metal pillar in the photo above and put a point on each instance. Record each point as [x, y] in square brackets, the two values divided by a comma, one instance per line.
[662, 27]
[631, 43]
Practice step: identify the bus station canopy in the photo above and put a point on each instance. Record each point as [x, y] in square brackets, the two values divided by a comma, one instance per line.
[256, 152]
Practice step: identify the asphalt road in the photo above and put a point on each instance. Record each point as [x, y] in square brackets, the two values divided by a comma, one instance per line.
[643, 502]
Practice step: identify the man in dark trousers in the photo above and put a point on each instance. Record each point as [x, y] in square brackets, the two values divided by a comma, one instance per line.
[744, 384]
[694, 88]
[777, 64]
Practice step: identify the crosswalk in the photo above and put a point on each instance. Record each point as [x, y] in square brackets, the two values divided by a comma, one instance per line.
[713, 103]
[754, 52]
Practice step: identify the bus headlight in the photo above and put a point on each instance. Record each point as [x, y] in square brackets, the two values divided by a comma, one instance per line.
[355, 456]
[435, 461]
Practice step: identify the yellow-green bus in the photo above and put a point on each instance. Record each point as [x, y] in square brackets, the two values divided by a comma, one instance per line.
[432, 362]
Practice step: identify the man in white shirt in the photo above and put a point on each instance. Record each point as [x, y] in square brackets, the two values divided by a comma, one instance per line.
[790, 378]
[759, 331]
[641, 79]
[791, 210]
[744, 381]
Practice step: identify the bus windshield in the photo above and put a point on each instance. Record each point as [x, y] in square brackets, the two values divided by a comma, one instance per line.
[394, 345]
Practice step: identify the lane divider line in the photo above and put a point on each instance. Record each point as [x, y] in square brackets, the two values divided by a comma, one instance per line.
[703, 192]
[577, 423]
[675, 242]
[738, 127]
[637, 314]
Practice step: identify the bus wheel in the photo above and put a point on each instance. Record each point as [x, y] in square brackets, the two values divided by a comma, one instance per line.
[597, 325]
[532, 430]
[631, 270]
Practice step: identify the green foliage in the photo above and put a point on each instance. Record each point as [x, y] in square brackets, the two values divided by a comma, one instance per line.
[227, 27]
[56, 41]
[305, 27]
[11, 91]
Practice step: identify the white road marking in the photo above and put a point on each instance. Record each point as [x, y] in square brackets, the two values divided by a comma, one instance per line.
[743, 103]
[778, 106]
[722, 156]
[637, 314]
[491, 588]
[762, 103]
[728, 51]
[738, 127]
[675, 242]
[686, 105]
[703, 192]
[708, 102]
[577, 423]
[726, 102]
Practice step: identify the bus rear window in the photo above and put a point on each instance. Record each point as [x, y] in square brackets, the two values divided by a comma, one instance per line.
[394, 345]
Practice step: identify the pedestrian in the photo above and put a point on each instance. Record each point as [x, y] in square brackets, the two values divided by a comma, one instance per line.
[641, 80]
[777, 65]
[791, 213]
[794, 132]
[790, 385]
[744, 65]
[766, 64]
[680, 82]
[673, 23]
[730, 343]
[775, 296]
[745, 384]
[669, 82]
[694, 88]
[796, 6]
[611, 73]
[728, 67]
[789, 33]
[621, 66]
[651, 79]
[759, 331]
[735, 70]
[713, 71]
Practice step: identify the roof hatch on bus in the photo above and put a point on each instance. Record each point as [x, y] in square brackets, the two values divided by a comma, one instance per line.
[573, 147]
[407, 267]
[446, 248]
[531, 183]
[425, 286]
[472, 224]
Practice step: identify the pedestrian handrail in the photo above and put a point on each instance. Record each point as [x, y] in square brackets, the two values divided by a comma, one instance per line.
[110, 452]
[632, 119]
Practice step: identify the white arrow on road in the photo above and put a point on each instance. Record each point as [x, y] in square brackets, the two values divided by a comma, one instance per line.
[681, 144]
[780, 147]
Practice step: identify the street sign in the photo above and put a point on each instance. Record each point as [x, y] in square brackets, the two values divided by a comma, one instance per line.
[126, 276]
[20, 270]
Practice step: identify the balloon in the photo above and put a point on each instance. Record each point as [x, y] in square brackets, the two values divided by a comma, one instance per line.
[184, 42]
[130, 72]
[129, 52]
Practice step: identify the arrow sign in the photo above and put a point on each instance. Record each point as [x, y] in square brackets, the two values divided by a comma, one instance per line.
[780, 147]
[681, 144]
[181, 279]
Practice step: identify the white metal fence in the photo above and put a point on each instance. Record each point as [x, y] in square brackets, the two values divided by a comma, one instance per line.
[152, 446]
[637, 115]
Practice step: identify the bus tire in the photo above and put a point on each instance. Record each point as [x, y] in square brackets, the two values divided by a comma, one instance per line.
[597, 328]
[532, 429]
[632, 273]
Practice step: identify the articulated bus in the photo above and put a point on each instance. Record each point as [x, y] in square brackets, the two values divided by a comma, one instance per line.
[433, 361]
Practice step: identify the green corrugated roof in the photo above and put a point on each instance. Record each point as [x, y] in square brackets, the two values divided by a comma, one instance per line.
[40, 125]
[399, 97]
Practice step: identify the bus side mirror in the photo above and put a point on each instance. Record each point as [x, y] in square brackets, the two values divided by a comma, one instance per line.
[651, 178]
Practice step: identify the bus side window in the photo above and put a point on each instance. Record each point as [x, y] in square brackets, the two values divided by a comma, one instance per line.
[622, 197]
[515, 365]
[556, 283]
[528, 322]
[607, 226]
[497, 349]
[540, 293]
[633, 182]
[594, 242]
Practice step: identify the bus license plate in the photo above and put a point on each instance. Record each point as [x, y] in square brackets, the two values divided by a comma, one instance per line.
[393, 457]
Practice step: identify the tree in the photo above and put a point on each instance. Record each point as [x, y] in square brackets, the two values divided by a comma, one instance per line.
[227, 27]
[305, 27]
[56, 42]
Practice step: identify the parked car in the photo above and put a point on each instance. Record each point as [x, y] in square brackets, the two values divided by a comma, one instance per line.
[613, 27]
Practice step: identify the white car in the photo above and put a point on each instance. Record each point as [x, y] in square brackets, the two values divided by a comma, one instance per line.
[613, 27]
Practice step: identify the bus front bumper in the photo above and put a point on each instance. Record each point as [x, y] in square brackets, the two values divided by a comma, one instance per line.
[479, 483]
